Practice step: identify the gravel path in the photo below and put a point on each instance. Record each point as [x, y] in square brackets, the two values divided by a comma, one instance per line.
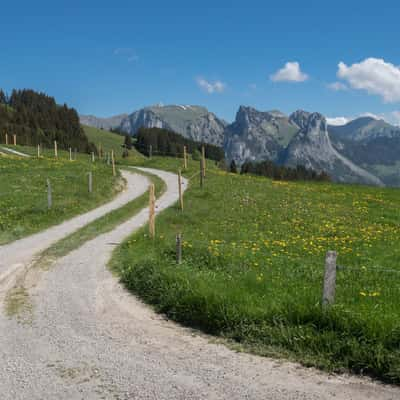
[18, 255]
[87, 338]
[15, 152]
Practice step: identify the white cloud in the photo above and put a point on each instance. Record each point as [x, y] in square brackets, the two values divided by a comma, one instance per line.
[338, 121]
[375, 76]
[211, 87]
[395, 118]
[291, 72]
[337, 86]
[126, 52]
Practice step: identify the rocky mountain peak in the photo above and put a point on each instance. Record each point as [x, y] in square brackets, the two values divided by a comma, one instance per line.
[315, 125]
[299, 118]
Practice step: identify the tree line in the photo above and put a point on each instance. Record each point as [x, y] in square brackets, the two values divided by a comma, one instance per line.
[280, 172]
[37, 119]
[167, 143]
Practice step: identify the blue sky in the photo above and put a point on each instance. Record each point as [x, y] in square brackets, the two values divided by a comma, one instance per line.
[106, 58]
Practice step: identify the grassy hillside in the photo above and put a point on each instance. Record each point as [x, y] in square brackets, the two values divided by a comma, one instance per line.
[110, 141]
[253, 264]
[23, 193]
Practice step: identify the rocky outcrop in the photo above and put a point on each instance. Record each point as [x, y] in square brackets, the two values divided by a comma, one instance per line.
[257, 135]
[312, 148]
[192, 122]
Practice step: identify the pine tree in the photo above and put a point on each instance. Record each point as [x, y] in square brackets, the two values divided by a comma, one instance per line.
[128, 142]
[232, 167]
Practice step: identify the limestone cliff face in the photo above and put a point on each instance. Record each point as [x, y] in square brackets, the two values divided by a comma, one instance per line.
[300, 139]
[257, 135]
[193, 122]
[313, 148]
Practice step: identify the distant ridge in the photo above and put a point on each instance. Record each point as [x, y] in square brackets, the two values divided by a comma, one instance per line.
[365, 150]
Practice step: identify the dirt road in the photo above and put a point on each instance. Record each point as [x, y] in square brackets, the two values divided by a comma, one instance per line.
[85, 337]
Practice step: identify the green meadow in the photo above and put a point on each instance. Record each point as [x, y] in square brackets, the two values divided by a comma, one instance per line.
[253, 264]
[23, 190]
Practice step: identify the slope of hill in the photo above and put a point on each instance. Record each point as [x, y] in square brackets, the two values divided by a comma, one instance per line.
[110, 141]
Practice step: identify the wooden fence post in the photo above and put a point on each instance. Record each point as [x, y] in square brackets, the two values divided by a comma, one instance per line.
[38, 151]
[150, 151]
[55, 149]
[152, 211]
[90, 182]
[203, 156]
[201, 173]
[92, 156]
[180, 189]
[7, 138]
[75, 151]
[70, 154]
[328, 296]
[178, 248]
[113, 162]
[184, 158]
[15, 140]
[49, 195]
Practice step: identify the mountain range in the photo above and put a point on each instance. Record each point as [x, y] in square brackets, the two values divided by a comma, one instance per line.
[365, 150]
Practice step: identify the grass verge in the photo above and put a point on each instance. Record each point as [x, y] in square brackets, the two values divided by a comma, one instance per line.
[23, 192]
[253, 263]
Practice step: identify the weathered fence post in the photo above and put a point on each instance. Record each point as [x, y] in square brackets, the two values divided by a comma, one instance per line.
[113, 162]
[38, 151]
[49, 195]
[7, 138]
[92, 156]
[328, 296]
[90, 182]
[201, 173]
[55, 149]
[203, 156]
[178, 248]
[184, 158]
[75, 151]
[152, 211]
[70, 154]
[180, 189]
[15, 140]
[150, 151]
